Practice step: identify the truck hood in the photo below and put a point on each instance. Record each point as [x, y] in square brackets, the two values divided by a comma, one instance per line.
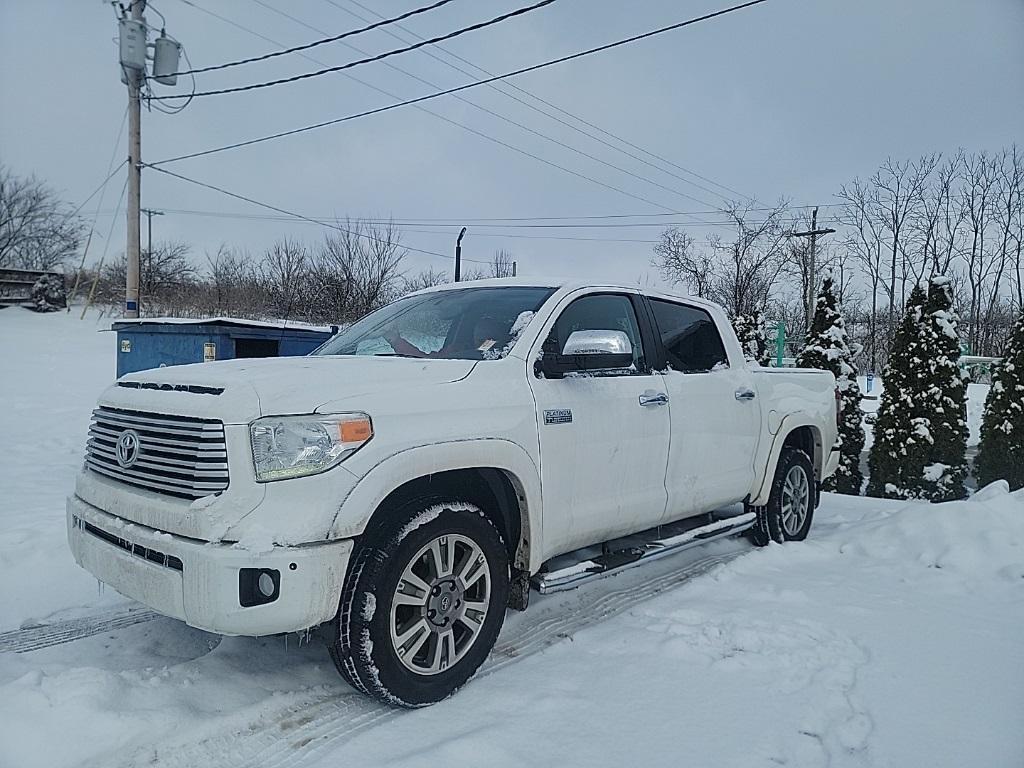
[238, 391]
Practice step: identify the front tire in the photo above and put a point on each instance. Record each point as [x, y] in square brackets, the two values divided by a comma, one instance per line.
[787, 515]
[423, 603]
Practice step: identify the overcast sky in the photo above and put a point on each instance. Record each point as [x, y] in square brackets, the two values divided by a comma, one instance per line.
[783, 99]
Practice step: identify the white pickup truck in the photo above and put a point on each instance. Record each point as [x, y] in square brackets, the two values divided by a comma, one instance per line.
[415, 475]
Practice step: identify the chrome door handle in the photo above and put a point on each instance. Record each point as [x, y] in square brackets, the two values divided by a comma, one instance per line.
[745, 394]
[651, 398]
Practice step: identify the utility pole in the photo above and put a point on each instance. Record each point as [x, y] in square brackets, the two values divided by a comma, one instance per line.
[150, 213]
[133, 54]
[812, 233]
[135, 77]
[458, 255]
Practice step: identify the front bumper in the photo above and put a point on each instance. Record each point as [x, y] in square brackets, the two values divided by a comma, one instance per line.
[198, 582]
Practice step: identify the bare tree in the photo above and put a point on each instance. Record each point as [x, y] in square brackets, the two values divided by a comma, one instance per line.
[752, 260]
[165, 274]
[938, 220]
[37, 230]
[425, 279]
[860, 214]
[681, 263]
[357, 269]
[741, 273]
[233, 285]
[1010, 217]
[980, 191]
[502, 265]
[285, 276]
[898, 188]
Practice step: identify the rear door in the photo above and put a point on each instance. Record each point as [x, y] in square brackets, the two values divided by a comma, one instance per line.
[604, 437]
[713, 408]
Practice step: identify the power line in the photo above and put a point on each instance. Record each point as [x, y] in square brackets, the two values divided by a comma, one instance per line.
[102, 188]
[547, 114]
[103, 183]
[466, 86]
[458, 220]
[268, 206]
[106, 246]
[369, 59]
[477, 223]
[324, 41]
[430, 112]
[539, 237]
[520, 125]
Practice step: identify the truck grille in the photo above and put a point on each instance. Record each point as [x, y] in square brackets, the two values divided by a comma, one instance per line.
[175, 455]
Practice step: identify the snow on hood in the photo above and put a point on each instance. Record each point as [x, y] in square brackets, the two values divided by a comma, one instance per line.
[279, 385]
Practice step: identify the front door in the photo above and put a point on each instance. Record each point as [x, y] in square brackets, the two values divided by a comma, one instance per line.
[604, 437]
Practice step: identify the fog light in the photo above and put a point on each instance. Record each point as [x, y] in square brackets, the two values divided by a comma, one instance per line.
[258, 586]
[266, 584]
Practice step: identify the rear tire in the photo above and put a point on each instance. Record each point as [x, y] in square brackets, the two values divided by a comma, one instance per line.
[790, 509]
[423, 602]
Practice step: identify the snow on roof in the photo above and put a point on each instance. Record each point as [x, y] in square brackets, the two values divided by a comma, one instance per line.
[237, 321]
[557, 284]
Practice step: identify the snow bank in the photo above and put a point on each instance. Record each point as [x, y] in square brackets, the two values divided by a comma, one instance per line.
[980, 538]
[891, 637]
[54, 368]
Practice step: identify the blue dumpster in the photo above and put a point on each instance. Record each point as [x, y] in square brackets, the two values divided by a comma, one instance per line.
[155, 342]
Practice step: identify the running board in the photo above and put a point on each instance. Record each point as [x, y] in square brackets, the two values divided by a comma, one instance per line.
[595, 568]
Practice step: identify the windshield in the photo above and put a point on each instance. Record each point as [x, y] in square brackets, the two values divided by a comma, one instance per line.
[458, 324]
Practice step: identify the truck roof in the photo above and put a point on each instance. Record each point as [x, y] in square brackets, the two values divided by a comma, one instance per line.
[554, 283]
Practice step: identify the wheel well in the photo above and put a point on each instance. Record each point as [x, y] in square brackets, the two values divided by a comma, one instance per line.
[806, 439]
[495, 491]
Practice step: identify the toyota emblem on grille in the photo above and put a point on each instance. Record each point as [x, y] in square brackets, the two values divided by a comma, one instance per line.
[127, 448]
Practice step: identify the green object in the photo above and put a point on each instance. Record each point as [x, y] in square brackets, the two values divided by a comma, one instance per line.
[780, 343]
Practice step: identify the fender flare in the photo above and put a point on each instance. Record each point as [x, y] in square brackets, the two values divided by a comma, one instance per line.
[789, 423]
[365, 497]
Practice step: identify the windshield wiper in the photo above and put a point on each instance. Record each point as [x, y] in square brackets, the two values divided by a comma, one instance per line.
[396, 354]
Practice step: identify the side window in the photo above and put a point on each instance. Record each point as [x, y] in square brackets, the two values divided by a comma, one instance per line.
[691, 340]
[598, 312]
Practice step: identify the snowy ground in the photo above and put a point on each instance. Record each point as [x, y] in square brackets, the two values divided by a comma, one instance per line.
[890, 638]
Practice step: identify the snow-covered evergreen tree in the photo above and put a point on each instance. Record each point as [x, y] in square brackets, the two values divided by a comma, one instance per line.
[895, 462]
[827, 348]
[1001, 452]
[48, 293]
[943, 397]
[750, 330]
[921, 432]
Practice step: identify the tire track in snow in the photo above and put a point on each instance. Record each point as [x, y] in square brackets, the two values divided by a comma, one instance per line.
[305, 728]
[46, 635]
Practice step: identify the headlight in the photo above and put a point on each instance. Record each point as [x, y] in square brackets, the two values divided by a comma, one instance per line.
[293, 446]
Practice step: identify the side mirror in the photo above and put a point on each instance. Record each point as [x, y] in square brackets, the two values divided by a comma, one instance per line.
[588, 351]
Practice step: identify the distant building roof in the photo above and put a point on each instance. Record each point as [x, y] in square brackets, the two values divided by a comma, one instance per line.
[225, 321]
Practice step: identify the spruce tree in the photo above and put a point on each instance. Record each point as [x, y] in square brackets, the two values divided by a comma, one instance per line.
[1001, 451]
[753, 337]
[943, 396]
[827, 349]
[895, 463]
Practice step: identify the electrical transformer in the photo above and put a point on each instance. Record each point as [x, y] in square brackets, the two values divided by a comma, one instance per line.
[133, 44]
[166, 53]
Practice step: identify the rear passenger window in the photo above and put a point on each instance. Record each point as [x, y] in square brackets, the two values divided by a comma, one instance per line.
[691, 339]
